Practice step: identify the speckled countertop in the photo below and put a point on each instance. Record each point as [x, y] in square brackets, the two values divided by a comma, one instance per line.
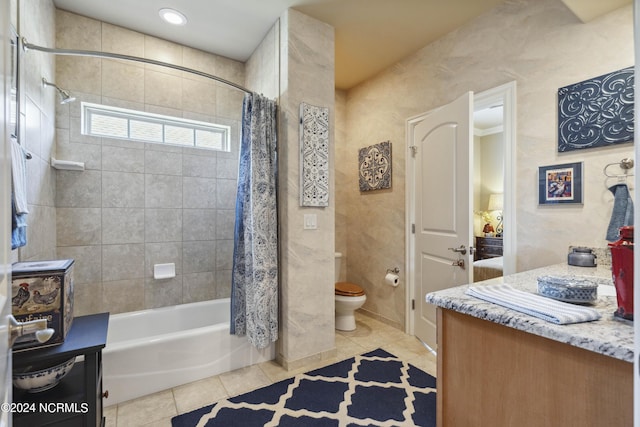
[609, 335]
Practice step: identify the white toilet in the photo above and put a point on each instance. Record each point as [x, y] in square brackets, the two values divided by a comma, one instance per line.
[349, 298]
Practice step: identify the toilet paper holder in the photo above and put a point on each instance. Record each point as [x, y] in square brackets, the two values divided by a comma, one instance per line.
[393, 270]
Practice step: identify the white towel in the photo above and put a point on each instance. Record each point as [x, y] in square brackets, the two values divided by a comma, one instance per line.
[19, 174]
[544, 308]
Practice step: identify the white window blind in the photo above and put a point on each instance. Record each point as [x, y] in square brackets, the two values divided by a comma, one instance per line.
[112, 122]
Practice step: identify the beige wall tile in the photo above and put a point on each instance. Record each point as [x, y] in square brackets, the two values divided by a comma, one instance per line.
[122, 262]
[88, 263]
[78, 226]
[163, 191]
[123, 225]
[197, 287]
[123, 296]
[198, 60]
[163, 162]
[164, 51]
[124, 81]
[87, 298]
[163, 225]
[122, 41]
[162, 89]
[123, 190]
[163, 292]
[199, 97]
[198, 257]
[199, 193]
[79, 74]
[123, 159]
[77, 32]
[199, 224]
[78, 189]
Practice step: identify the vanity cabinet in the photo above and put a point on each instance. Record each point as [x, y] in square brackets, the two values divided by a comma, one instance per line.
[77, 399]
[493, 375]
[488, 247]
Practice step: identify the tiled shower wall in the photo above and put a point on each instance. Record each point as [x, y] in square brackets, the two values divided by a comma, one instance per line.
[36, 134]
[138, 204]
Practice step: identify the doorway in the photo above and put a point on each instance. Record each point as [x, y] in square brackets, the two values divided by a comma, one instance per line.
[417, 322]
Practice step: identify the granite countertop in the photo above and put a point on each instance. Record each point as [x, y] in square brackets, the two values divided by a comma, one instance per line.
[609, 336]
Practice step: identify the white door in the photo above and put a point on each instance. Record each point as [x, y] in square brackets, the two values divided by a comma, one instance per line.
[442, 208]
[5, 214]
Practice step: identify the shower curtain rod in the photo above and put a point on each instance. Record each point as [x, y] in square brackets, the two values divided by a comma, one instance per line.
[75, 52]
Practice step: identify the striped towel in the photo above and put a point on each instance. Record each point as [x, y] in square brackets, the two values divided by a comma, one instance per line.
[553, 311]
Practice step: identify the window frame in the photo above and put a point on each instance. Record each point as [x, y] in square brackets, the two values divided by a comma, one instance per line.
[89, 109]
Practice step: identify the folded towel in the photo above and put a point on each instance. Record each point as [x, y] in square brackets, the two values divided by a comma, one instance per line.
[19, 175]
[18, 227]
[553, 311]
[622, 213]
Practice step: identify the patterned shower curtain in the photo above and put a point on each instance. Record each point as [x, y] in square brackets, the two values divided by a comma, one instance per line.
[254, 287]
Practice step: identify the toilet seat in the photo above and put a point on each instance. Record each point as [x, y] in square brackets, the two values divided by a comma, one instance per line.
[348, 289]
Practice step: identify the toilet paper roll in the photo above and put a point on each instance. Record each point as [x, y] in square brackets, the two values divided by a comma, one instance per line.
[391, 279]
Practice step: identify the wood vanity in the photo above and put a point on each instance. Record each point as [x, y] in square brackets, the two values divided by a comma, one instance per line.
[499, 367]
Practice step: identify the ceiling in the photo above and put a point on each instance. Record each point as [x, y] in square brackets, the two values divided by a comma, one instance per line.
[370, 34]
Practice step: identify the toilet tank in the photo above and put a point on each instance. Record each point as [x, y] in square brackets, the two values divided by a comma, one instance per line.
[337, 270]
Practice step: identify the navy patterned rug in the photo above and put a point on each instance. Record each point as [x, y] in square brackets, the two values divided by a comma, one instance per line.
[374, 389]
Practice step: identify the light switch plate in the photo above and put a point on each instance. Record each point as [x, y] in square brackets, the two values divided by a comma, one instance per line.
[310, 221]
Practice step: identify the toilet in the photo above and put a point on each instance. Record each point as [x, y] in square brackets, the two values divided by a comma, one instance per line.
[349, 298]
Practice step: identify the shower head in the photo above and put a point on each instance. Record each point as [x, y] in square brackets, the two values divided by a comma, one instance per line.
[65, 97]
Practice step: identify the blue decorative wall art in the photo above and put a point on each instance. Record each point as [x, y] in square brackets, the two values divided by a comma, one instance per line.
[314, 155]
[375, 166]
[597, 112]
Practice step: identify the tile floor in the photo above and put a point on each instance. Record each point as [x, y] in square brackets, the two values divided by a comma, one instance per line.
[157, 409]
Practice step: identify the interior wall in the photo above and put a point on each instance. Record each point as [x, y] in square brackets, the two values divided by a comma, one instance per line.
[492, 172]
[342, 191]
[138, 204]
[37, 120]
[306, 256]
[488, 169]
[511, 42]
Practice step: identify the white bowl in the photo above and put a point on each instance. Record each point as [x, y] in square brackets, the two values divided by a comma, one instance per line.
[35, 381]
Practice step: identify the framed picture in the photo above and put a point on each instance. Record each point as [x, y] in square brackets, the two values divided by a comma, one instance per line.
[374, 167]
[559, 184]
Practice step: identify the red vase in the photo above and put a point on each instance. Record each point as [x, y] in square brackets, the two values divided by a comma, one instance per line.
[622, 272]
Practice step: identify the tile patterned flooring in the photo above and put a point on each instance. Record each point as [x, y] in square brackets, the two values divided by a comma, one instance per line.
[157, 409]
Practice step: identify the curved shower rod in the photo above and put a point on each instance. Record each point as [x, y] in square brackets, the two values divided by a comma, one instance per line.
[75, 52]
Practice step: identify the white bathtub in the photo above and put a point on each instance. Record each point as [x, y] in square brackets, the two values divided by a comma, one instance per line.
[156, 349]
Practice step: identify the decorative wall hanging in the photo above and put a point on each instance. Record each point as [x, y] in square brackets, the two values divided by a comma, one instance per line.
[314, 155]
[596, 112]
[560, 184]
[375, 166]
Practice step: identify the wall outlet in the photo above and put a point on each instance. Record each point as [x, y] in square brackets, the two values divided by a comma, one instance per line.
[310, 221]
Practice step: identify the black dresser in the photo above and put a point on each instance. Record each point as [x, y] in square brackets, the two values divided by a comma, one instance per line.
[77, 399]
[488, 247]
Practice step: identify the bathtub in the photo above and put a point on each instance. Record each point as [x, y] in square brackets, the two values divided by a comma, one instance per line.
[156, 349]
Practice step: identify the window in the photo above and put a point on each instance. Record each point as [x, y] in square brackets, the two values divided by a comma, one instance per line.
[112, 122]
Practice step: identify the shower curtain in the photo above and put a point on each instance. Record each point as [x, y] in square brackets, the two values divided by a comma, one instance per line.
[254, 285]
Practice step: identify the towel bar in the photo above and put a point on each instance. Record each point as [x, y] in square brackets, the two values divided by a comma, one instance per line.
[624, 164]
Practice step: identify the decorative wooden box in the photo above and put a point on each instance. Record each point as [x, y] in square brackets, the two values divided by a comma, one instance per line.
[43, 290]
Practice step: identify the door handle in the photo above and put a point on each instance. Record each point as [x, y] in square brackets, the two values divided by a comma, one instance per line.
[461, 250]
[458, 263]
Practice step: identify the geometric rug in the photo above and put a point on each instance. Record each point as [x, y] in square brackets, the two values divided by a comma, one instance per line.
[374, 389]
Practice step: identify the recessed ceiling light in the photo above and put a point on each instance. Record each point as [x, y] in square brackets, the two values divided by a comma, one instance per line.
[172, 16]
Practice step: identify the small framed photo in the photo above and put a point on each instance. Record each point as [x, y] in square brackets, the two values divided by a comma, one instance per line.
[560, 184]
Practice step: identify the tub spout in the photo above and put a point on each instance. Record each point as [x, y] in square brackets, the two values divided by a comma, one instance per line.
[37, 327]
